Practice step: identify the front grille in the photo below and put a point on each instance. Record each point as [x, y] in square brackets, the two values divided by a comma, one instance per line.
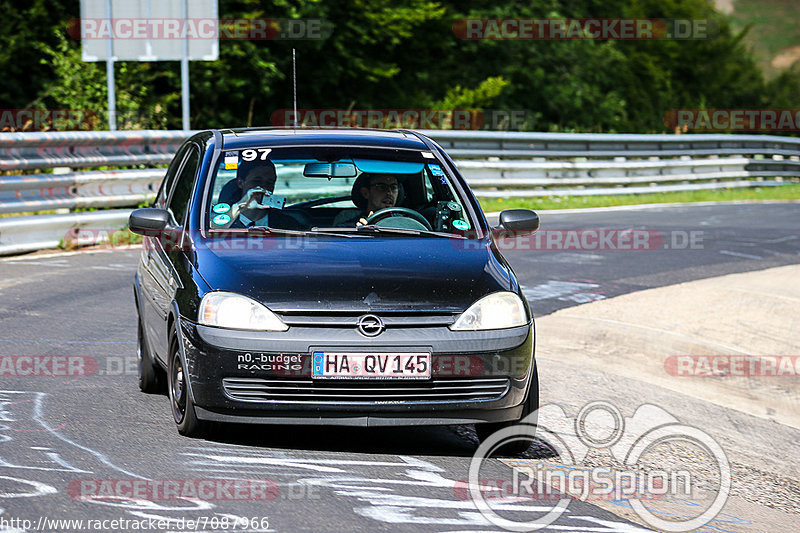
[365, 391]
[350, 319]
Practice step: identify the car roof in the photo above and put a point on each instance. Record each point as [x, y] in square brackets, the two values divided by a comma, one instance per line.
[247, 137]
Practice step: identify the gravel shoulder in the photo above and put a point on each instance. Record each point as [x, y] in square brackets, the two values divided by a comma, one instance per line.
[624, 350]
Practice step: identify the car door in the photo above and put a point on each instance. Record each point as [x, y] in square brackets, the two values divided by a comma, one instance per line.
[163, 252]
[147, 282]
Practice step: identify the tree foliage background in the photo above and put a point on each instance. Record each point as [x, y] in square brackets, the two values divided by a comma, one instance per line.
[385, 54]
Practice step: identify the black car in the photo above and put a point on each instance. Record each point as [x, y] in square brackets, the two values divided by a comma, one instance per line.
[346, 277]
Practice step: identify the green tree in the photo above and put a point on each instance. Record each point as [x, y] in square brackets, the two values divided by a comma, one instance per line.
[382, 54]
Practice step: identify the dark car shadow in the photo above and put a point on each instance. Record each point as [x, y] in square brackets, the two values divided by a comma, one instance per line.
[454, 441]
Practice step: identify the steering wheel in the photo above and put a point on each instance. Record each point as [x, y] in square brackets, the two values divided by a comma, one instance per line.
[408, 213]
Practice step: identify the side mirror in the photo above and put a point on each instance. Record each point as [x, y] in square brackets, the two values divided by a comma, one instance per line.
[517, 222]
[148, 221]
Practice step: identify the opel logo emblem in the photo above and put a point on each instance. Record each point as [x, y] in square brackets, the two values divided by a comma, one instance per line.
[371, 325]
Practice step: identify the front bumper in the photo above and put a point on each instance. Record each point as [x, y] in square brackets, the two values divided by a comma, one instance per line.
[475, 376]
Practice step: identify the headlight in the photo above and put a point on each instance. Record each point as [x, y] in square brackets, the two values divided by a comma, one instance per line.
[497, 311]
[233, 311]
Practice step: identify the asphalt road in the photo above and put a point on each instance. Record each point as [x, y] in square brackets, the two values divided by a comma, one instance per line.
[66, 441]
[677, 244]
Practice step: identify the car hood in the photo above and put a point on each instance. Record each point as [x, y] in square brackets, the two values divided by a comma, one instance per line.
[357, 274]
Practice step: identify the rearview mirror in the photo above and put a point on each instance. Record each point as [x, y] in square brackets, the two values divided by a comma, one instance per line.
[330, 170]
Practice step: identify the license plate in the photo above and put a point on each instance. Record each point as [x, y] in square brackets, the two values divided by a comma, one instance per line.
[371, 365]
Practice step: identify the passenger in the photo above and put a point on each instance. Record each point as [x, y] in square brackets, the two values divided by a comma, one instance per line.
[257, 181]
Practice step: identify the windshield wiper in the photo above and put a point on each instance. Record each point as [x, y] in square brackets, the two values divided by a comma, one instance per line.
[266, 230]
[338, 232]
[373, 228]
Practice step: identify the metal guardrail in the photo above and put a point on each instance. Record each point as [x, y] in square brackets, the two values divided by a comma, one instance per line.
[25, 151]
[496, 164]
[27, 234]
[76, 190]
[483, 144]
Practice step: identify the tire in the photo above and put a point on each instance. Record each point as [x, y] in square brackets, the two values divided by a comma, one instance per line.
[151, 377]
[517, 447]
[182, 407]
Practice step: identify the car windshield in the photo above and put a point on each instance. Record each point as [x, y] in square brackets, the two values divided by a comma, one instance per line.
[322, 188]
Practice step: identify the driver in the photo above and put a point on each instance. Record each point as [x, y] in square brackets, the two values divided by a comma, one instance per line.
[380, 191]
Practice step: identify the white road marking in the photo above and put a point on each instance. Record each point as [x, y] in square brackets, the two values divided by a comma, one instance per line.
[641, 207]
[781, 239]
[40, 489]
[575, 258]
[67, 254]
[739, 254]
[11, 414]
[563, 290]
[311, 464]
[379, 492]
[10, 398]
[57, 264]
[771, 295]
[18, 312]
[659, 330]
[582, 297]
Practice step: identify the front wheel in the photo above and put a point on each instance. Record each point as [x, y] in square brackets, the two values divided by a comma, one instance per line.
[182, 407]
[531, 406]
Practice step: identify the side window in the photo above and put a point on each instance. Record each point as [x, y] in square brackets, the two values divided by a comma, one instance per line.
[429, 192]
[169, 178]
[179, 199]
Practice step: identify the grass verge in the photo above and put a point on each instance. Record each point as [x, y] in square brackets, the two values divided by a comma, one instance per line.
[775, 28]
[782, 192]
